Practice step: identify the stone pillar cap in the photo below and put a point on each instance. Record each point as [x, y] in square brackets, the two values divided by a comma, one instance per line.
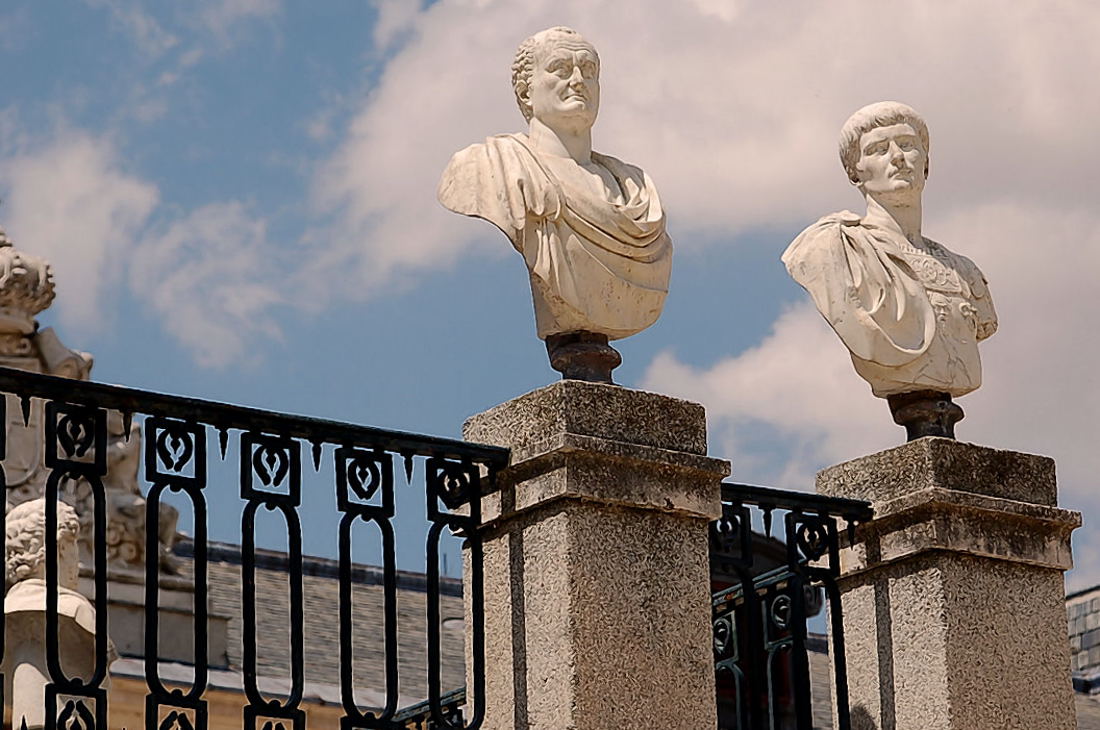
[943, 463]
[601, 443]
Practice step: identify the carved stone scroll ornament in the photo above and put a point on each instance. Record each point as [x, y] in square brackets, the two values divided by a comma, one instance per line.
[910, 311]
[591, 228]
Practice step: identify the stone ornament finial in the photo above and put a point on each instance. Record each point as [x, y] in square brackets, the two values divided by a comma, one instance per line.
[910, 311]
[26, 289]
[591, 228]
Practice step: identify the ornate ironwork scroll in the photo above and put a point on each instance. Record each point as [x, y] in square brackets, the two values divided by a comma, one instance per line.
[175, 459]
[767, 591]
[453, 475]
[364, 492]
[76, 454]
[454, 484]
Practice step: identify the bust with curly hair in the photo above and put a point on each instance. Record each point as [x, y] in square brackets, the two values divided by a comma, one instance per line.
[25, 668]
[590, 227]
[25, 537]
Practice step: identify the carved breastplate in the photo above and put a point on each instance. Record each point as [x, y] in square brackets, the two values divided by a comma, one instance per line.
[934, 269]
[948, 292]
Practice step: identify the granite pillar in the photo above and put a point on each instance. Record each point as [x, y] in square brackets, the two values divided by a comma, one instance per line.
[597, 581]
[953, 595]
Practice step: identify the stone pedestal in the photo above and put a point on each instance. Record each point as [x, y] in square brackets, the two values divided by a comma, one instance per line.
[596, 561]
[953, 595]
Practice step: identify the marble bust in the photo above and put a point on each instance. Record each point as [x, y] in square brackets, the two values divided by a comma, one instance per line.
[590, 227]
[25, 669]
[910, 311]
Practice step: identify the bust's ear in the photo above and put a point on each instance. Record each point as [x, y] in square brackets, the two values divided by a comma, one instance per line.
[523, 93]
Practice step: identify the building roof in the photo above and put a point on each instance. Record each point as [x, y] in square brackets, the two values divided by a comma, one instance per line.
[321, 626]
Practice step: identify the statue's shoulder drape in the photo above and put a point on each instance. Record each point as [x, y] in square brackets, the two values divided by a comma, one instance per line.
[593, 236]
[499, 180]
[863, 286]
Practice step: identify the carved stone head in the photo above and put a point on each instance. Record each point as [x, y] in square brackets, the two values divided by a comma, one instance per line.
[26, 543]
[884, 149]
[556, 78]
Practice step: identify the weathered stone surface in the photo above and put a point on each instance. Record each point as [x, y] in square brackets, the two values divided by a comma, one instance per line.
[945, 464]
[953, 595]
[959, 643]
[943, 519]
[596, 561]
[600, 442]
[592, 409]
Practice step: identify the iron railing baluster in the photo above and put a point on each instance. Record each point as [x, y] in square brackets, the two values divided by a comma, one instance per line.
[365, 492]
[175, 430]
[761, 622]
[175, 460]
[451, 485]
[81, 433]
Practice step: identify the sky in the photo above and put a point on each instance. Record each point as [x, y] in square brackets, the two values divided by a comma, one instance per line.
[238, 198]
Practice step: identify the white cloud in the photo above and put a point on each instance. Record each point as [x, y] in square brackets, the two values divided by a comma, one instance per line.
[795, 390]
[71, 201]
[209, 276]
[15, 29]
[206, 273]
[733, 108]
[220, 18]
[396, 18]
[144, 29]
[199, 29]
[217, 19]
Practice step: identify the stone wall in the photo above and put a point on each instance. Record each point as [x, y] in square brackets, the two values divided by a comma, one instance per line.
[1083, 617]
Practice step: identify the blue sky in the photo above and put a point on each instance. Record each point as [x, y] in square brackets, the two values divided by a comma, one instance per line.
[238, 199]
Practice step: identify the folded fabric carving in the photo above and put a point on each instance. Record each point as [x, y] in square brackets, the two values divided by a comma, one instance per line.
[910, 317]
[599, 258]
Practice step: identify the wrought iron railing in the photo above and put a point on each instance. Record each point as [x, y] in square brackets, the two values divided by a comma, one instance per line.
[361, 463]
[767, 592]
[421, 716]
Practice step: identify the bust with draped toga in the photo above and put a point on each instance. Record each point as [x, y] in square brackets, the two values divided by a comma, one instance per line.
[910, 311]
[590, 228]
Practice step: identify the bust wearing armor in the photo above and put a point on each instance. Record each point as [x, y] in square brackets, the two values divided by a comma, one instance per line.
[910, 311]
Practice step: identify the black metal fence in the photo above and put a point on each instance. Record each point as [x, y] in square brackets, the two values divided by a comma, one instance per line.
[361, 463]
[768, 591]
